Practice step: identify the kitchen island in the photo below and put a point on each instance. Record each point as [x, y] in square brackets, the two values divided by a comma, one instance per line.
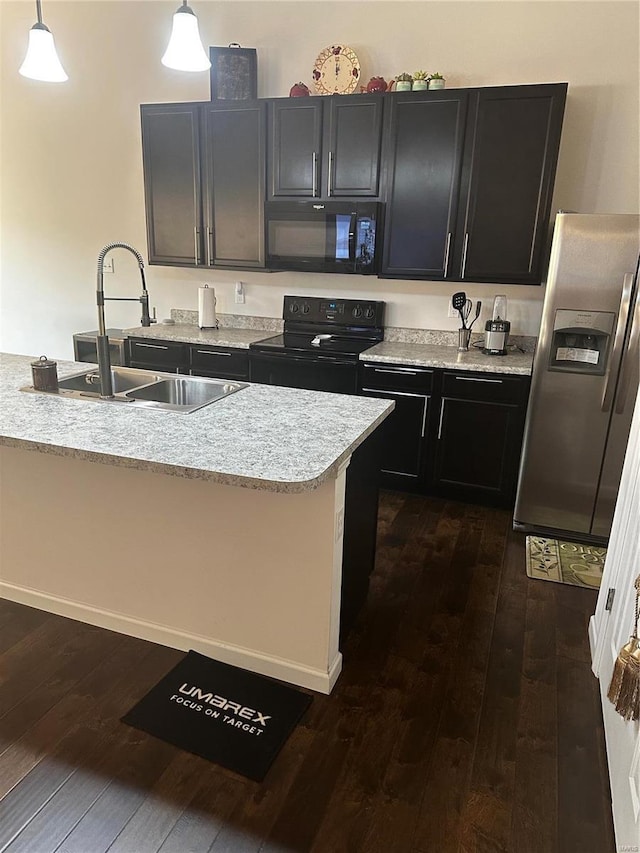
[232, 530]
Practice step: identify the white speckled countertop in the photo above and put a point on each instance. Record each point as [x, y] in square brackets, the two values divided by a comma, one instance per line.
[190, 334]
[262, 437]
[422, 347]
[439, 355]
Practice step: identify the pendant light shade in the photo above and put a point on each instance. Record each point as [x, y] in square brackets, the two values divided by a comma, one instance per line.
[41, 61]
[185, 51]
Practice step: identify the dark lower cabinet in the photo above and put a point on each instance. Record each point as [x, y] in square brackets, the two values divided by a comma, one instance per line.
[479, 436]
[194, 359]
[456, 434]
[154, 354]
[403, 453]
[221, 362]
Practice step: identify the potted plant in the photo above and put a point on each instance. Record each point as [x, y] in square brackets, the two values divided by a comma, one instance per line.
[420, 80]
[436, 81]
[403, 82]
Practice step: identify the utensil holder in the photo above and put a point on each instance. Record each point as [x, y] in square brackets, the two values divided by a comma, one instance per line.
[464, 336]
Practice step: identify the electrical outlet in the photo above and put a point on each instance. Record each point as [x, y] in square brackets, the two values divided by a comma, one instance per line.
[239, 291]
[107, 265]
[453, 312]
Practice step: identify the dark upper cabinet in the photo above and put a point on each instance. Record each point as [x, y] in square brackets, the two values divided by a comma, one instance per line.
[294, 147]
[469, 183]
[466, 174]
[204, 183]
[353, 134]
[508, 175]
[325, 147]
[425, 138]
[171, 156]
[234, 185]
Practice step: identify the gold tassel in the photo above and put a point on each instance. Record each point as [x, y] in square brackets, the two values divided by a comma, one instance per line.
[624, 690]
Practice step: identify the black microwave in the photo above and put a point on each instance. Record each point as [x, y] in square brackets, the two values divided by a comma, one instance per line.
[323, 236]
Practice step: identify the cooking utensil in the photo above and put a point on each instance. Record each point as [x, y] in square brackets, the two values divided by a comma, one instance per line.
[478, 309]
[459, 300]
[466, 312]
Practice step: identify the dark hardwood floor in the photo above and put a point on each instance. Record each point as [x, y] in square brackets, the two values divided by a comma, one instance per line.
[466, 719]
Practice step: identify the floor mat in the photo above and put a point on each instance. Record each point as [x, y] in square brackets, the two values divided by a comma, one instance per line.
[565, 562]
[228, 715]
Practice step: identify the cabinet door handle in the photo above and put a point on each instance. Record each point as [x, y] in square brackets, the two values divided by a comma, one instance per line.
[314, 174]
[446, 254]
[330, 175]
[424, 416]
[151, 346]
[475, 379]
[209, 246]
[399, 371]
[211, 352]
[196, 240]
[441, 417]
[464, 254]
[394, 393]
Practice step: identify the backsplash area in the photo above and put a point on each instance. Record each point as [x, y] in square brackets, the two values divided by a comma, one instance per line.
[396, 334]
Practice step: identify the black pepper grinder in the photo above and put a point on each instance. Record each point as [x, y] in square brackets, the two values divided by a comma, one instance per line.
[45, 374]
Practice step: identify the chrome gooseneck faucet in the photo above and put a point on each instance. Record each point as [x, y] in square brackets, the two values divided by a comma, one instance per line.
[104, 359]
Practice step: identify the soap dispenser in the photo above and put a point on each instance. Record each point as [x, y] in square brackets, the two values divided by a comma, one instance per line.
[497, 328]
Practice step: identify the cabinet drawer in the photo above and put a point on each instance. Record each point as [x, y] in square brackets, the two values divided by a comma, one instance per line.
[218, 361]
[396, 377]
[161, 355]
[489, 387]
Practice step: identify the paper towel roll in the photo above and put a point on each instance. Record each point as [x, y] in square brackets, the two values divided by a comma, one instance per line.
[207, 308]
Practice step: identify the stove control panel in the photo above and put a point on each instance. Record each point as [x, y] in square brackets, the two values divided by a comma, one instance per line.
[341, 312]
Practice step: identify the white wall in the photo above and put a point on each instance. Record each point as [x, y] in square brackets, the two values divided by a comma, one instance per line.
[71, 153]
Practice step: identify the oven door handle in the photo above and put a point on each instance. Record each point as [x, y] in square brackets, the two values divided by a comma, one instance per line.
[311, 360]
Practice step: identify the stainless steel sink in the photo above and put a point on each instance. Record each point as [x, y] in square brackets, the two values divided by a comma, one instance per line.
[148, 389]
[182, 392]
[122, 378]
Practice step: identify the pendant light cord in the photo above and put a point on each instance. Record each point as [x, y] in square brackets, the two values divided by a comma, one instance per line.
[39, 11]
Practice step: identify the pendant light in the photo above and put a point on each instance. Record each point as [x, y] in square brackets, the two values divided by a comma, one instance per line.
[185, 51]
[41, 61]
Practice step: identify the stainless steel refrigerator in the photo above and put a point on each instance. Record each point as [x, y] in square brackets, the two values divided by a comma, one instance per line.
[584, 380]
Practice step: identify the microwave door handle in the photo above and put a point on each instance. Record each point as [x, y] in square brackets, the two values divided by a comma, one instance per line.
[352, 239]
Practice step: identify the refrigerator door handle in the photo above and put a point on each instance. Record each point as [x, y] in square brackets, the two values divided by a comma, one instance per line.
[618, 341]
[632, 347]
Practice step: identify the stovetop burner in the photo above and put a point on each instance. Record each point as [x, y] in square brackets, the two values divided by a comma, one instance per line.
[304, 342]
[317, 325]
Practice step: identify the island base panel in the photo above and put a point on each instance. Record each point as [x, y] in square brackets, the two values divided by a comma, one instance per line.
[249, 577]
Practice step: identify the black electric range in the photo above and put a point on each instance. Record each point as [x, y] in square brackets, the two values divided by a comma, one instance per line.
[321, 344]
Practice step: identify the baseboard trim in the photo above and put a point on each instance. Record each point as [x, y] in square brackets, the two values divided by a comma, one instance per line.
[284, 670]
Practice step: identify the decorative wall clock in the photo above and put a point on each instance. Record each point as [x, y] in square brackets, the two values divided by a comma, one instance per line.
[337, 71]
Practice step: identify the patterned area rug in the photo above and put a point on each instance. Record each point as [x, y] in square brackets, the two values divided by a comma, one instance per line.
[565, 562]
